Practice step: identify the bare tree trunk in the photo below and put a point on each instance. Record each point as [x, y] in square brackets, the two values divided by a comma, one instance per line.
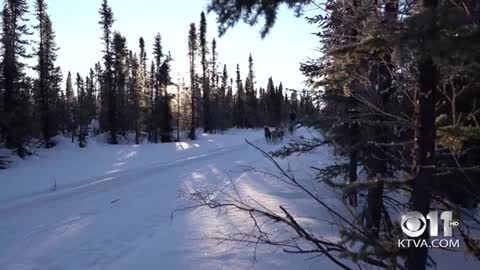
[375, 169]
[425, 134]
[192, 127]
[137, 133]
[425, 154]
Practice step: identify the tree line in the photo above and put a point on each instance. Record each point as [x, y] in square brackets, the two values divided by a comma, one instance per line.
[125, 93]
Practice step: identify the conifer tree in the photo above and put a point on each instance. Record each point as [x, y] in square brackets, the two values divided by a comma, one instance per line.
[215, 90]
[251, 98]
[192, 51]
[14, 39]
[153, 132]
[165, 100]
[239, 102]
[203, 46]
[143, 56]
[70, 105]
[108, 119]
[91, 95]
[137, 98]
[270, 102]
[229, 102]
[158, 57]
[163, 115]
[47, 91]
[222, 109]
[119, 105]
[147, 90]
[81, 111]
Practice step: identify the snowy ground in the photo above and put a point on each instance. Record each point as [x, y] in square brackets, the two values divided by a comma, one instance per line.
[112, 206]
[67, 165]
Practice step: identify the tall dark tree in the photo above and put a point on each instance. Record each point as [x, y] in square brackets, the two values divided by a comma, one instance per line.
[91, 95]
[203, 46]
[14, 39]
[426, 129]
[82, 109]
[250, 97]
[143, 56]
[158, 57]
[192, 51]
[152, 127]
[69, 106]
[147, 91]
[165, 109]
[120, 75]
[47, 92]
[229, 103]
[108, 118]
[162, 111]
[217, 97]
[137, 96]
[239, 109]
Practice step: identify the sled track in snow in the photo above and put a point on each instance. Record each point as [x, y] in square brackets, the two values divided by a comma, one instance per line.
[136, 173]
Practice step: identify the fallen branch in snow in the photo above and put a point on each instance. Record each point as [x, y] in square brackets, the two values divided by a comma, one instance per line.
[114, 201]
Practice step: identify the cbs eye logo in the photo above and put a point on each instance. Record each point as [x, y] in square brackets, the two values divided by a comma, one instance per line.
[414, 224]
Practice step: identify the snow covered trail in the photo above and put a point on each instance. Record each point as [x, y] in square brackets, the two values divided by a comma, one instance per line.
[67, 166]
[124, 221]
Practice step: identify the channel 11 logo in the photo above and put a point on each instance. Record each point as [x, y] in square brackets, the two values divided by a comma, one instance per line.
[414, 223]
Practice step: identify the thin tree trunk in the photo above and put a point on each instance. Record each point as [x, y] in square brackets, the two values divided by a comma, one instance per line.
[352, 176]
[425, 154]
[425, 134]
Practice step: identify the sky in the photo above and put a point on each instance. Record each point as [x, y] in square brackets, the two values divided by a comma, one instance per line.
[278, 55]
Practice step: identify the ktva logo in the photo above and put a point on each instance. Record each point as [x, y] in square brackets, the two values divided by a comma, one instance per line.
[414, 225]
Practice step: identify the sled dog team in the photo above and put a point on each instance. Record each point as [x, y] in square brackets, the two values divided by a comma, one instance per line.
[274, 136]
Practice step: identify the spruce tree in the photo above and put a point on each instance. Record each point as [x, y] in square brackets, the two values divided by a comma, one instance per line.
[152, 116]
[165, 100]
[81, 111]
[47, 92]
[270, 102]
[108, 119]
[91, 96]
[217, 97]
[239, 102]
[157, 115]
[251, 97]
[14, 39]
[203, 46]
[69, 99]
[147, 90]
[229, 102]
[222, 109]
[119, 102]
[192, 51]
[137, 98]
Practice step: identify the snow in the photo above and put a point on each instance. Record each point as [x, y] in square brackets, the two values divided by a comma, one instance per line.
[112, 206]
[98, 219]
[67, 165]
